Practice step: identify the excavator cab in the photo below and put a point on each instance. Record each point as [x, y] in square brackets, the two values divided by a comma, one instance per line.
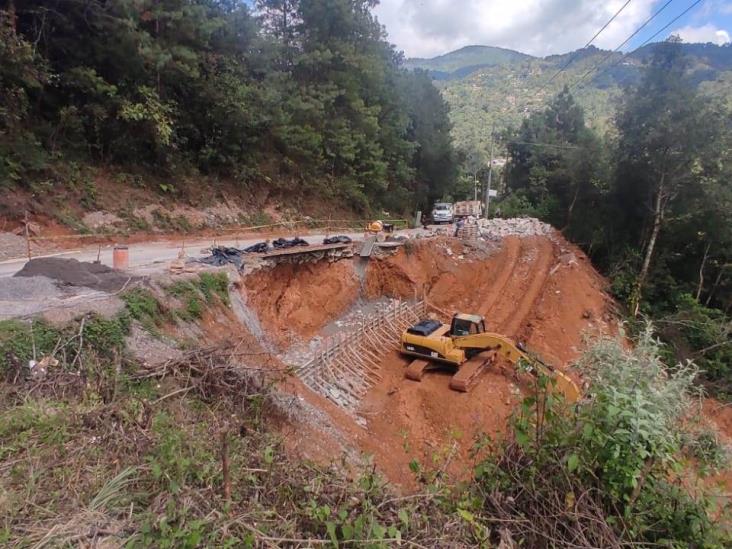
[465, 325]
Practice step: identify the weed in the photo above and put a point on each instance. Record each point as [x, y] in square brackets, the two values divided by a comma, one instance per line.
[89, 194]
[192, 299]
[134, 222]
[214, 284]
[142, 306]
[178, 461]
[208, 288]
[31, 420]
[256, 219]
[23, 341]
[106, 336]
[166, 222]
[66, 217]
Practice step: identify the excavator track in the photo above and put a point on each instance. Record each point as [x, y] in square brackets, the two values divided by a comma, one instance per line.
[469, 372]
[416, 369]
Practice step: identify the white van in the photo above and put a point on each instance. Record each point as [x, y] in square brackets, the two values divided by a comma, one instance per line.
[442, 213]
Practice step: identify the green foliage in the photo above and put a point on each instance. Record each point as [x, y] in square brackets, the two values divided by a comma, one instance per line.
[31, 421]
[191, 297]
[615, 457]
[651, 202]
[487, 86]
[142, 306]
[214, 285]
[205, 289]
[23, 341]
[176, 460]
[469, 57]
[308, 96]
[703, 334]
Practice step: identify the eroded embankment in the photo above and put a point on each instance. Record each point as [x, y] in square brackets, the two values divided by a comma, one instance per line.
[295, 301]
[537, 289]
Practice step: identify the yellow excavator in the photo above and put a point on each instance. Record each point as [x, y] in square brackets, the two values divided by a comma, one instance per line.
[466, 345]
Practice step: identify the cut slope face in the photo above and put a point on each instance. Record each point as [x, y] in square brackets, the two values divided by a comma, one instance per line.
[296, 301]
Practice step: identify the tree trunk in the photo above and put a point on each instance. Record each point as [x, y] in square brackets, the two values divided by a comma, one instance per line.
[571, 208]
[700, 287]
[658, 211]
[717, 281]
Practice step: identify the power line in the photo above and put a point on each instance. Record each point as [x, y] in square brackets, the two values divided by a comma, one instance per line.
[667, 25]
[573, 57]
[679, 16]
[597, 65]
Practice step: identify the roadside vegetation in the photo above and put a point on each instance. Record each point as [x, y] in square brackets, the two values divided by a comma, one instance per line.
[650, 202]
[304, 98]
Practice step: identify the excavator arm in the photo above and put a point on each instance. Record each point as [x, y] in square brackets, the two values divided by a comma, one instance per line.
[506, 348]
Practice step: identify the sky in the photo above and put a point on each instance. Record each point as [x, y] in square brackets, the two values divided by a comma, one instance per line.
[426, 28]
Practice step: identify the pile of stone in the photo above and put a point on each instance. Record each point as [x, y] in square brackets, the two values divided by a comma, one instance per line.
[496, 229]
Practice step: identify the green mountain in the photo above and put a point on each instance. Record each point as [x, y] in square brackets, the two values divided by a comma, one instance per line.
[464, 61]
[493, 87]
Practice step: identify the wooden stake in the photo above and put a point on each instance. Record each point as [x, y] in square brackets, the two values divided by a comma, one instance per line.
[27, 236]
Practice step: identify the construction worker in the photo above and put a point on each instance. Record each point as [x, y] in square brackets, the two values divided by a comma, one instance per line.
[458, 226]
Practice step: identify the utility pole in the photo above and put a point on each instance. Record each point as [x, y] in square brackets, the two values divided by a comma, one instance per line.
[490, 175]
[475, 186]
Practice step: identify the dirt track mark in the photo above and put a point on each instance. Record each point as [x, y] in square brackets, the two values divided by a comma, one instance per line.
[507, 268]
[520, 301]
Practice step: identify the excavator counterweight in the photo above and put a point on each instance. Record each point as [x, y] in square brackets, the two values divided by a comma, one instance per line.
[469, 348]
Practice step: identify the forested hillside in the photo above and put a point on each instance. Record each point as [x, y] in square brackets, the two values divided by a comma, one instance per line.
[307, 97]
[652, 204]
[503, 92]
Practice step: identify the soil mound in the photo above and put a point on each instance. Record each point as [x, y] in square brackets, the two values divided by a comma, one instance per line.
[72, 272]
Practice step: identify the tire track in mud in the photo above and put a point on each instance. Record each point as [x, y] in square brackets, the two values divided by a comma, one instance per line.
[513, 246]
[518, 302]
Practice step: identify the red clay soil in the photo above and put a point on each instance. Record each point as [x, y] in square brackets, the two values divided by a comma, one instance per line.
[296, 301]
[539, 290]
[721, 416]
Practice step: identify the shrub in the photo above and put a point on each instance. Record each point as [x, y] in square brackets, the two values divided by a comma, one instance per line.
[602, 473]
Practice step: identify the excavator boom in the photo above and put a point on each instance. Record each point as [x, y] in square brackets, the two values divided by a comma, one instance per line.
[506, 348]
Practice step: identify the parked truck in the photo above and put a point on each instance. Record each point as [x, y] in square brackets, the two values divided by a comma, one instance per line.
[464, 209]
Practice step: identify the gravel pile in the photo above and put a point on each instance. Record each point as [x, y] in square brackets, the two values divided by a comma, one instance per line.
[76, 273]
[518, 226]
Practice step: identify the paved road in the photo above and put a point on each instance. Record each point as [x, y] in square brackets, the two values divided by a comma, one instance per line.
[147, 257]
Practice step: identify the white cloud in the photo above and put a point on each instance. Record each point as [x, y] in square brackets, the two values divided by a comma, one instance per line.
[703, 34]
[424, 28]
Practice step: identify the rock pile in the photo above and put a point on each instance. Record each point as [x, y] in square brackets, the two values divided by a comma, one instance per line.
[496, 229]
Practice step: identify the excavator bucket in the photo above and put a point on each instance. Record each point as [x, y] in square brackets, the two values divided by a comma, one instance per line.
[566, 386]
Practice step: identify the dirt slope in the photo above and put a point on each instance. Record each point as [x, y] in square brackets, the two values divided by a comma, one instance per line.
[539, 290]
[295, 301]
